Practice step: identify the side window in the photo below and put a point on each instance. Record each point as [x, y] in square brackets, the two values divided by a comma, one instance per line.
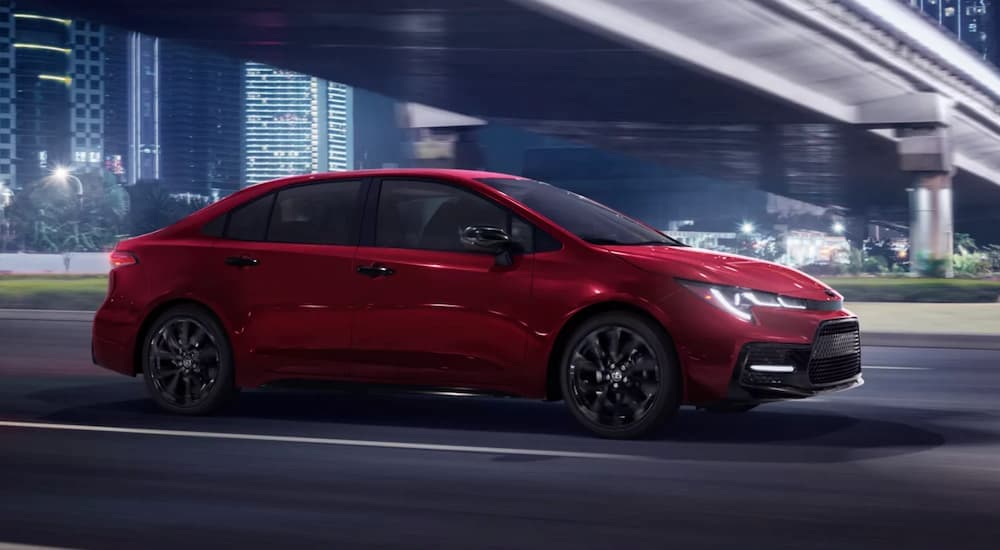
[318, 213]
[545, 242]
[431, 216]
[249, 222]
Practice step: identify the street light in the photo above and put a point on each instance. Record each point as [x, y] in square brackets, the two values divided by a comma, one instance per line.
[838, 228]
[746, 228]
[64, 175]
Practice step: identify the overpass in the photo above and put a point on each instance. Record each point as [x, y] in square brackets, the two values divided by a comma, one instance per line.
[912, 105]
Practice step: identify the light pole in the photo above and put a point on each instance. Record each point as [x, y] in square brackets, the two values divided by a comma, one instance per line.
[6, 196]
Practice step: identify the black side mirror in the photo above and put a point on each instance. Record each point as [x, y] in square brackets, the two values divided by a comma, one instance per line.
[491, 239]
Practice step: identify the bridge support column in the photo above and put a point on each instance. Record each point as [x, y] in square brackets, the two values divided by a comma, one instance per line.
[927, 154]
[931, 231]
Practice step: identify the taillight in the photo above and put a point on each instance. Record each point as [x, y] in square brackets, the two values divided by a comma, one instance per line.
[121, 259]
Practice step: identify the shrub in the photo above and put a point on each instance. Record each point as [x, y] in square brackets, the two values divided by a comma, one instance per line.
[966, 262]
[876, 265]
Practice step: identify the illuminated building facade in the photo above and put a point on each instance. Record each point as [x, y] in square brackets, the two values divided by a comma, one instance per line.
[51, 93]
[41, 86]
[201, 119]
[132, 105]
[294, 124]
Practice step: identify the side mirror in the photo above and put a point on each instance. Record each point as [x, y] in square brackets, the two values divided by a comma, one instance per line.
[491, 239]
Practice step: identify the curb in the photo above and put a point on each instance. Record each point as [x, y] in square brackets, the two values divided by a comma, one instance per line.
[46, 315]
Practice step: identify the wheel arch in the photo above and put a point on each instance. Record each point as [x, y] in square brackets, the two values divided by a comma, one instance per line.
[155, 313]
[553, 392]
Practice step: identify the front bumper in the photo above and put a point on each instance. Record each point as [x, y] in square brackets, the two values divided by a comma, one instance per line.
[774, 371]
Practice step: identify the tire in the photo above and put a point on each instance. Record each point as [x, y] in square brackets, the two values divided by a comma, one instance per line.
[193, 379]
[597, 387]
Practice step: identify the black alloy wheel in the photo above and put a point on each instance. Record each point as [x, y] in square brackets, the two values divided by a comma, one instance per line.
[619, 376]
[187, 362]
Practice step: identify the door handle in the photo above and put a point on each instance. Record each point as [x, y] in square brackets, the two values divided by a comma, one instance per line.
[375, 270]
[242, 261]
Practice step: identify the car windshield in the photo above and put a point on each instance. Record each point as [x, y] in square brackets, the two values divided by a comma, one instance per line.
[589, 220]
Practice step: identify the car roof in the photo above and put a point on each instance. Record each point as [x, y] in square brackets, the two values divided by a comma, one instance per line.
[449, 173]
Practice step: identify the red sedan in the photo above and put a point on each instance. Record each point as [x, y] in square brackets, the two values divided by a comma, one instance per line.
[448, 279]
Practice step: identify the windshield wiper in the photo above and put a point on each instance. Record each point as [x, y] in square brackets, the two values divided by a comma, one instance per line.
[615, 242]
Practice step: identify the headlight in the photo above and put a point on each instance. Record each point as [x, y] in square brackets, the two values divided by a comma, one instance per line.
[740, 301]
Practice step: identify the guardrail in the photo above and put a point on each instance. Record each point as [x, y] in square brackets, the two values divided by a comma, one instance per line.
[73, 263]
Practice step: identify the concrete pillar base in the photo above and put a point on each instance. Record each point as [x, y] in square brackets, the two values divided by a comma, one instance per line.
[927, 154]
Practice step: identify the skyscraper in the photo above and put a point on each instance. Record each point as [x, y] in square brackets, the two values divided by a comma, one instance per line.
[131, 106]
[51, 93]
[294, 124]
[116, 101]
[8, 114]
[86, 72]
[972, 21]
[142, 161]
[200, 119]
[173, 114]
[41, 65]
[340, 118]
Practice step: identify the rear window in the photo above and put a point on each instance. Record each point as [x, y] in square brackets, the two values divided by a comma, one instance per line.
[319, 213]
[314, 213]
[249, 222]
[216, 227]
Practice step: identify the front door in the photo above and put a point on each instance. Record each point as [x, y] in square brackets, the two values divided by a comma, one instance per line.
[436, 313]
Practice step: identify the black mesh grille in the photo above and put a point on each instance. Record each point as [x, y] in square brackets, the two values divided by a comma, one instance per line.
[836, 353]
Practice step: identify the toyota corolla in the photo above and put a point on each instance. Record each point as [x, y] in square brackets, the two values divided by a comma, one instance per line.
[462, 280]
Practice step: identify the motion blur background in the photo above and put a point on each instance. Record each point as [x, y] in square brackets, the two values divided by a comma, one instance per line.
[766, 149]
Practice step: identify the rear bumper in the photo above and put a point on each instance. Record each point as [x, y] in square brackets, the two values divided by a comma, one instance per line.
[112, 340]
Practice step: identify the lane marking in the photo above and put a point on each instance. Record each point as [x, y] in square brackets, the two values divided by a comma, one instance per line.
[15, 546]
[895, 368]
[324, 441]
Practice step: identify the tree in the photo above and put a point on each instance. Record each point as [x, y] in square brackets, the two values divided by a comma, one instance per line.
[50, 215]
[965, 241]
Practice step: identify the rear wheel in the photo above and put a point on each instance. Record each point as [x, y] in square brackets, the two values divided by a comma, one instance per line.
[619, 376]
[187, 362]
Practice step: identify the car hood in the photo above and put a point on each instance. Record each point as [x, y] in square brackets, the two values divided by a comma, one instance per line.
[707, 266]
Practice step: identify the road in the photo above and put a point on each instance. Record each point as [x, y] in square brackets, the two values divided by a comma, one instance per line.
[910, 460]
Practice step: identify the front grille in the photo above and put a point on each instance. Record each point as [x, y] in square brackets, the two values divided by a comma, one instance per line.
[836, 353]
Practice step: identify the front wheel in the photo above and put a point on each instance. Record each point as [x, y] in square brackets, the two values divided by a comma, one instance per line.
[187, 362]
[619, 376]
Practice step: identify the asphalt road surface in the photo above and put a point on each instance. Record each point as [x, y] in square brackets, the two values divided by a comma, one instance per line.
[910, 460]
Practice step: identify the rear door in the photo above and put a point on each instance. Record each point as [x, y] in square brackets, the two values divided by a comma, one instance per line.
[291, 282]
[434, 312]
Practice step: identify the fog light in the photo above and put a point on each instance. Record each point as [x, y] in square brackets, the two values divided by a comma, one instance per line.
[772, 368]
